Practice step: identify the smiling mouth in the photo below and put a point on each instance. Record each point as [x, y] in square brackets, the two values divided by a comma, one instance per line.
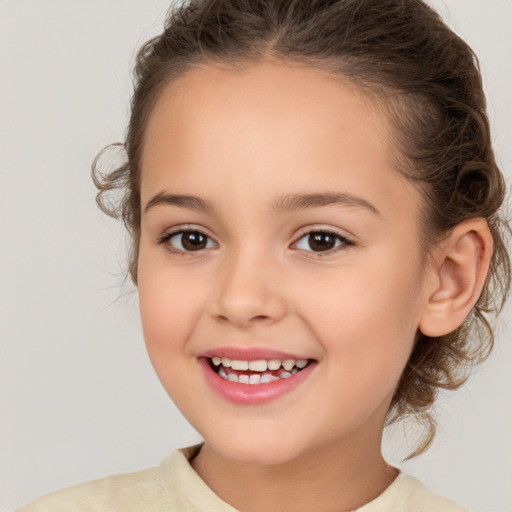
[260, 371]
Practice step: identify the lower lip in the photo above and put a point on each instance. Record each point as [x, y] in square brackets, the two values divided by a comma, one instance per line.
[253, 394]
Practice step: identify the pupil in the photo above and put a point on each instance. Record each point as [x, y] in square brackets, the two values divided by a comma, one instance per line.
[193, 241]
[321, 241]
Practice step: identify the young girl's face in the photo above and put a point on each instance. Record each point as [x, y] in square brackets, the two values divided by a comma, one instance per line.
[275, 228]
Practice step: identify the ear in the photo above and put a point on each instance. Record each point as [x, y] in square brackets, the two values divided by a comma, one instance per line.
[458, 270]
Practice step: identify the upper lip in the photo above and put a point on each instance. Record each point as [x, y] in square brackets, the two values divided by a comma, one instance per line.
[250, 353]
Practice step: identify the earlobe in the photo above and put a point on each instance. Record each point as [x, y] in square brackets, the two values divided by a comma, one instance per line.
[459, 270]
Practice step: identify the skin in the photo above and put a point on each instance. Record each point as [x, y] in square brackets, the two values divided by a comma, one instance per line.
[243, 140]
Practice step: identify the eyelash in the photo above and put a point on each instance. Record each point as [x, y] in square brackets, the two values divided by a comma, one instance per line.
[166, 237]
[341, 242]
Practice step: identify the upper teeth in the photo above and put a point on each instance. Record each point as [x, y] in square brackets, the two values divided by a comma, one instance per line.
[259, 365]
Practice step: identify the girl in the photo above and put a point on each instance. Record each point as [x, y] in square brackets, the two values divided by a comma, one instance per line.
[314, 206]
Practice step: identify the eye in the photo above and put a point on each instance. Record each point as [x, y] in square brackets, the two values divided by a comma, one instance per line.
[188, 241]
[321, 241]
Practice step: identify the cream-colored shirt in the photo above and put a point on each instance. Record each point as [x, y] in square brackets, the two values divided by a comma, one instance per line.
[176, 487]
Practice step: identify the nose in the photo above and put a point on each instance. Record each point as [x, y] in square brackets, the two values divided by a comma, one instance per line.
[249, 291]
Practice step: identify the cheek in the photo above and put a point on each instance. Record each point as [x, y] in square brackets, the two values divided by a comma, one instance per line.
[363, 298]
[168, 320]
[167, 316]
[366, 318]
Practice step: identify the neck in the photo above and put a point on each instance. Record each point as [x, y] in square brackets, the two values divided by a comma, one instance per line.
[332, 478]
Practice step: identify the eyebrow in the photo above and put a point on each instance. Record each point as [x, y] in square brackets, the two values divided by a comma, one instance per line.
[289, 202]
[292, 202]
[183, 201]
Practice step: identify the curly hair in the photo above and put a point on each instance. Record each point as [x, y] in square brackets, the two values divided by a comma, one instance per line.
[429, 81]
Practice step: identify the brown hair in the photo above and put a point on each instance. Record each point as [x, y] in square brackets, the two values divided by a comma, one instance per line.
[429, 81]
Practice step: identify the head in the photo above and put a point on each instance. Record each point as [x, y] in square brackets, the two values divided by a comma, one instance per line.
[422, 79]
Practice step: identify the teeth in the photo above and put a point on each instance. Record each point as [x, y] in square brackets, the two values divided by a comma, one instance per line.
[268, 378]
[239, 365]
[288, 364]
[255, 379]
[274, 364]
[260, 365]
[257, 366]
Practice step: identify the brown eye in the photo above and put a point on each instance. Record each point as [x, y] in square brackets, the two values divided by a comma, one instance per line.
[193, 240]
[187, 241]
[321, 241]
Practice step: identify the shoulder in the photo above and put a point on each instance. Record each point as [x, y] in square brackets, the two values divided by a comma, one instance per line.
[126, 492]
[173, 486]
[407, 494]
[422, 499]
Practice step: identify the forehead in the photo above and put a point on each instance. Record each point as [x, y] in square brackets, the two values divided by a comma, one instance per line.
[279, 99]
[292, 125]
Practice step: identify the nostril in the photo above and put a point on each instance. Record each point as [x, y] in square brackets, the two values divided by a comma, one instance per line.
[257, 318]
[247, 309]
[260, 318]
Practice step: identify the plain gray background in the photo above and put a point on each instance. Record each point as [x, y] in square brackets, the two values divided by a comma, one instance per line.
[78, 398]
